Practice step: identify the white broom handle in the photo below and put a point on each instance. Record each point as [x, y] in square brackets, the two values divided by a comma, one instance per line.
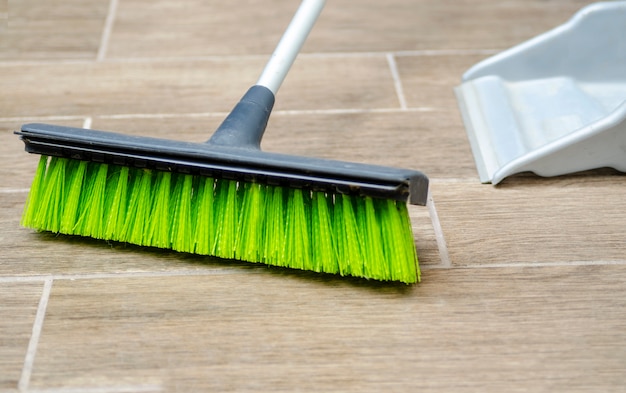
[290, 44]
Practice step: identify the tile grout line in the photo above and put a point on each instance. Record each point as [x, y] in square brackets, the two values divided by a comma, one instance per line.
[314, 55]
[106, 31]
[397, 82]
[103, 389]
[541, 264]
[286, 112]
[29, 360]
[87, 122]
[145, 274]
[219, 272]
[349, 111]
[439, 237]
[445, 52]
[41, 118]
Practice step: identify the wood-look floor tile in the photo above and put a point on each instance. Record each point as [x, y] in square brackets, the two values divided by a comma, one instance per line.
[428, 81]
[85, 89]
[18, 307]
[27, 252]
[55, 29]
[193, 27]
[432, 142]
[462, 329]
[4, 16]
[335, 83]
[191, 86]
[196, 129]
[532, 219]
[409, 25]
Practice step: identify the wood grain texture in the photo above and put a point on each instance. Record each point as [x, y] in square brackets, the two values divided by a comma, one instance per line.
[212, 28]
[189, 86]
[429, 80]
[572, 218]
[461, 330]
[26, 252]
[18, 306]
[523, 284]
[61, 29]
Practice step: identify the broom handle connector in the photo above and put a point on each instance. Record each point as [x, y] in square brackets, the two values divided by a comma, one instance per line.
[290, 44]
[244, 126]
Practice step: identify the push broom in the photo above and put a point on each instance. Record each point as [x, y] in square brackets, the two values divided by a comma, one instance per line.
[225, 197]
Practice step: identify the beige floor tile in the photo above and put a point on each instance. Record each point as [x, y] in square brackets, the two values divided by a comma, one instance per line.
[18, 306]
[192, 128]
[491, 330]
[432, 142]
[55, 29]
[531, 219]
[192, 27]
[26, 252]
[191, 86]
[429, 80]
[336, 83]
[84, 89]
[400, 25]
[4, 14]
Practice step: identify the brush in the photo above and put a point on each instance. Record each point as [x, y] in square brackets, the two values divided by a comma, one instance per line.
[226, 197]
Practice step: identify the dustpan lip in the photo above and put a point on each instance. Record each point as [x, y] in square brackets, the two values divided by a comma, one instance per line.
[533, 161]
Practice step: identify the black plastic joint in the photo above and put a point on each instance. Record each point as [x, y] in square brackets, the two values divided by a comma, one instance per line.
[245, 125]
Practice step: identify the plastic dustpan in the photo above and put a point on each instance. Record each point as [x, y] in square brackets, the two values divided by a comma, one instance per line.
[553, 105]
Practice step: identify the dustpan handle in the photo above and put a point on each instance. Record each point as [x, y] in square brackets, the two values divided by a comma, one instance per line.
[290, 44]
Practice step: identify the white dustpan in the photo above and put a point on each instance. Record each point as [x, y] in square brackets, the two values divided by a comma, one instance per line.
[553, 105]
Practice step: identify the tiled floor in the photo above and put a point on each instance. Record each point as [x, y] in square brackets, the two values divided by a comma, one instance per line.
[523, 284]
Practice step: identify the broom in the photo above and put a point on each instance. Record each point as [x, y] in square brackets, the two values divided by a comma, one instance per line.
[225, 197]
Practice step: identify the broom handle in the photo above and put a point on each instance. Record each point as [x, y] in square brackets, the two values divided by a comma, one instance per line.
[290, 44]
[245, 124]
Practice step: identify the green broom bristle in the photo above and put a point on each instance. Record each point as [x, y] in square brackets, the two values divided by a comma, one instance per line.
[332, 233]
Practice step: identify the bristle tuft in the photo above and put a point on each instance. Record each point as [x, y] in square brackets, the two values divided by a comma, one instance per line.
[289, 227]
[204, 223]
[181, 236]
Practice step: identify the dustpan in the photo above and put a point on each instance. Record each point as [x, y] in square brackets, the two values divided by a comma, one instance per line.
[553, 105]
